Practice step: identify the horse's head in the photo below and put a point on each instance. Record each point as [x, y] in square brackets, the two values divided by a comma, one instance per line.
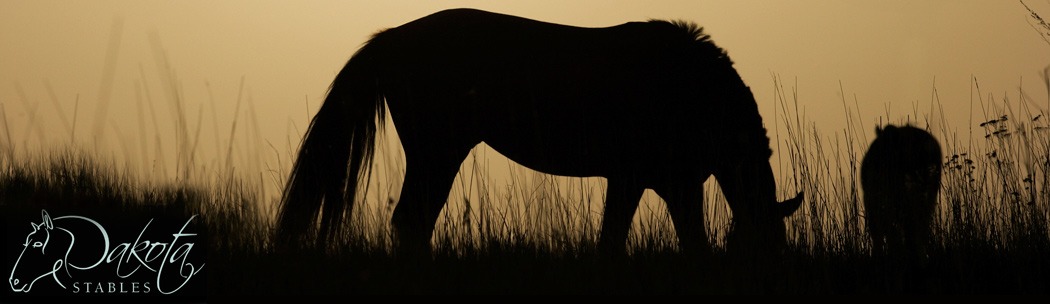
[758, 218]
[43, 255]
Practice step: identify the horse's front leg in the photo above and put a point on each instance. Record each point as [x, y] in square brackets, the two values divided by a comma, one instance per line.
[621, 201]
[685, 203]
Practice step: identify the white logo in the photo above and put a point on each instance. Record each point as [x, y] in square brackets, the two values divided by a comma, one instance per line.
[48, 248]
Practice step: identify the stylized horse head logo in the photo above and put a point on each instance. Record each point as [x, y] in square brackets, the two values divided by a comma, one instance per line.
[46, 250]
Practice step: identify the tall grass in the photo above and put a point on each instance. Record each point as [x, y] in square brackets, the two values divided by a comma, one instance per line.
[996, 191]
[992, 211]
[229, 196]
[993, 193]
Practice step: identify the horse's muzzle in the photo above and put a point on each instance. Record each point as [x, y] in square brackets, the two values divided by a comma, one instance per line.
[15, 285]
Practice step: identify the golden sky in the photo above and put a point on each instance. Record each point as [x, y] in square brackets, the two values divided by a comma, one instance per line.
[887, 53]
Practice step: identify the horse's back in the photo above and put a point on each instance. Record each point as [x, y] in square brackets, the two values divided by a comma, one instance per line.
[560, 99]
[473, 44]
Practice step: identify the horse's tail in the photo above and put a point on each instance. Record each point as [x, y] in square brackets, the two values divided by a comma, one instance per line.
[336, 153]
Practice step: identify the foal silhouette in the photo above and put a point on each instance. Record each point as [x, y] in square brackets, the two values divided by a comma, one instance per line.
[645, 104]
[901, 176]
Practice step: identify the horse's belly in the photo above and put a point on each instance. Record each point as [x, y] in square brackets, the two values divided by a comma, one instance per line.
[593, 150]
[552, 159]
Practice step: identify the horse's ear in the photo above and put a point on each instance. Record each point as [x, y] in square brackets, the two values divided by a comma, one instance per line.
[47, 220]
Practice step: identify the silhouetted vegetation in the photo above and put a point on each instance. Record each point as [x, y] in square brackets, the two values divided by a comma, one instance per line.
[990, 229]
[991, 226]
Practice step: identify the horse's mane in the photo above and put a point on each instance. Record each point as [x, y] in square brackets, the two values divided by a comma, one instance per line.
[694, 32]
[706, 49]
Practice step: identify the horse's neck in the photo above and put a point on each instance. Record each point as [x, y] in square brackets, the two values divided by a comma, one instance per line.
[62, 241]
[64, 237]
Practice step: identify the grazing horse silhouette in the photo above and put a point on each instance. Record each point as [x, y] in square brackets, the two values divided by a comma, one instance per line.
[645, 104]
[901, 176]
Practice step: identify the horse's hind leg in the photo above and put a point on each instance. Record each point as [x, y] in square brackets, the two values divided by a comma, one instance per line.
[621, 200]
[428, 179]
[685, 203]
